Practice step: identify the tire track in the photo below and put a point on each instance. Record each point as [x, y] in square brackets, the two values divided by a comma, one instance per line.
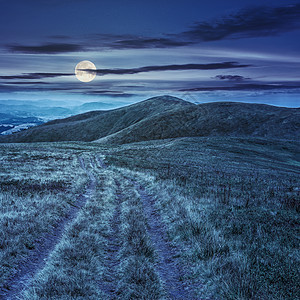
[37, 259]
[169, 269]
[168, 266]
[108, 284]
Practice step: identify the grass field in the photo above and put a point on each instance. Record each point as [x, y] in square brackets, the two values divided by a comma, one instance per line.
[188, 218]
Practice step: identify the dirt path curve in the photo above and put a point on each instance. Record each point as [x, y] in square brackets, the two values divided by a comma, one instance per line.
[168, 267]
[37, 259]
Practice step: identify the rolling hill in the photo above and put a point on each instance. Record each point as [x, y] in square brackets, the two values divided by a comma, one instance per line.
[168, 117]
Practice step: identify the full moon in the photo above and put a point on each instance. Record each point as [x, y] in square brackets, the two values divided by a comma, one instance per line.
[81, 74]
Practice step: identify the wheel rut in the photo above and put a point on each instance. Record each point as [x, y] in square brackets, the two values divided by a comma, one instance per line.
[168, 266]
[37, 259]
[108, 284]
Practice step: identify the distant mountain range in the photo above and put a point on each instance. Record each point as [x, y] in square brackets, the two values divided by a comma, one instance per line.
[168, 117]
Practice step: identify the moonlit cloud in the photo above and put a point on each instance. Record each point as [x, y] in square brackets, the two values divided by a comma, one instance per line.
[102, 72]
[211, 66]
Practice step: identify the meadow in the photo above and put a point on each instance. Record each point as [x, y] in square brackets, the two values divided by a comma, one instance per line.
[185, 218]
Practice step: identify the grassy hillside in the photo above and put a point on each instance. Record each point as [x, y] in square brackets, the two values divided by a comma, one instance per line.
[168, 117]
[192, 218]
[94, 125]
[239, 215]
[214, 119]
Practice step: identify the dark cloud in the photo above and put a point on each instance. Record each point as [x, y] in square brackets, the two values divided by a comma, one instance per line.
[52, 48]
[211, 66]
[129, 41]
[231, 77]
[251, 22]
[110, 93]
[243, 87]
[139, 43]
[35, 76]
[27, 82]
[246, 23]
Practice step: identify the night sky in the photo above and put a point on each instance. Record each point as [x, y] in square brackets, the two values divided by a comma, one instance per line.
[198, 50]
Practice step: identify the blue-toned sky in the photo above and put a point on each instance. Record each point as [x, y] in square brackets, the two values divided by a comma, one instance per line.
[199, 50]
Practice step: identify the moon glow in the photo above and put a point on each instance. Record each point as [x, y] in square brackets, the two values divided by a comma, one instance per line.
[81, 74]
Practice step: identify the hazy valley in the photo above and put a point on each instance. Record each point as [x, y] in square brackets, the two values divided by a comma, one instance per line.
[17, 115]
